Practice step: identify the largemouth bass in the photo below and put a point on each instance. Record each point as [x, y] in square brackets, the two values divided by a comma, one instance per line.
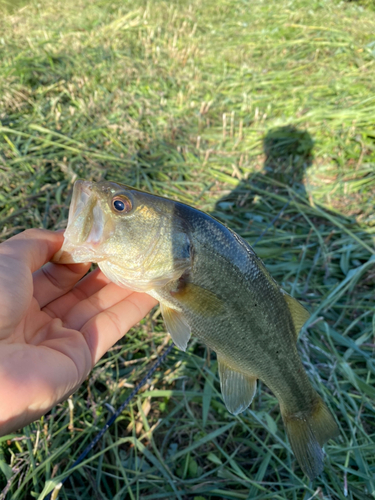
[210, 283]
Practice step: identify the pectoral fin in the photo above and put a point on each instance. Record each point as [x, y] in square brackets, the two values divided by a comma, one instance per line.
[176, 325]
[198, 299]
[299, 314]
[237, 389]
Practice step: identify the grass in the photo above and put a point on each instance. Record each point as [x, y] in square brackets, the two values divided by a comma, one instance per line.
[248, 110]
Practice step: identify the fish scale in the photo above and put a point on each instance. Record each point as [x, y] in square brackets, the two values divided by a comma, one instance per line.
[210, 283]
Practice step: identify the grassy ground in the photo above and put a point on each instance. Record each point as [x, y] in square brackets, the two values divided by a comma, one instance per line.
[247, 110]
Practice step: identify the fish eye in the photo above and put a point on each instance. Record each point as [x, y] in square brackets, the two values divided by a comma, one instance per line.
[121, 204]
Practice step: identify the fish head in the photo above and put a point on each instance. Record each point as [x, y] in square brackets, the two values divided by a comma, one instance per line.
[135, 237]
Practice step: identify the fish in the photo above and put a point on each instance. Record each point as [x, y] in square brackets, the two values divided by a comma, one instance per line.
[211, 284]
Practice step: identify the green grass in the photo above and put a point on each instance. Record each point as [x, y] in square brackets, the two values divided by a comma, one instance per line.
[241, 109]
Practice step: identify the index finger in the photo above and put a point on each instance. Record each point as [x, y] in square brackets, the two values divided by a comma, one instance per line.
[34, 247]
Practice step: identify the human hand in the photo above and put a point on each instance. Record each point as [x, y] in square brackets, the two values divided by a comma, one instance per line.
[53, 327]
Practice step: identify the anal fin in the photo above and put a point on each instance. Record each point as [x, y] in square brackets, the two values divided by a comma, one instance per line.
[176, 326]
[237, 389]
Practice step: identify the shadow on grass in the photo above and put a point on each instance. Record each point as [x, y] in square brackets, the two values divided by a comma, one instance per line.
[288, 154]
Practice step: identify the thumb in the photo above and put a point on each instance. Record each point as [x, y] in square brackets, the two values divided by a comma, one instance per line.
[33, 247]
[19, 257]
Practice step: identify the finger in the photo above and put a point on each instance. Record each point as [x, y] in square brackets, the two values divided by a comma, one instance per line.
[19, 257]
[35, 378]
[103, 299]
[34, 247]
[54, 280]
[106, 328]
[88, 286]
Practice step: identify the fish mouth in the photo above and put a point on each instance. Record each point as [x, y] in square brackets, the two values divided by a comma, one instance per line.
[82, 191]
[85, 228]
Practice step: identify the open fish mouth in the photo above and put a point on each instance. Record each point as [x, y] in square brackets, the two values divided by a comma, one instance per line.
[82, 191]
[85, 228]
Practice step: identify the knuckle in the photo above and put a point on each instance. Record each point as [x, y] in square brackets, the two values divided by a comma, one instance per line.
[46, 270]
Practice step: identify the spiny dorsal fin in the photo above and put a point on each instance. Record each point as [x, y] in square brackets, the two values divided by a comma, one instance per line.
[176, 325]
[237, 389]
[299, 314]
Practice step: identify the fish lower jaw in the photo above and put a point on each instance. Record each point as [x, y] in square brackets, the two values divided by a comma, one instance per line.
[74, 256]
[125, 277]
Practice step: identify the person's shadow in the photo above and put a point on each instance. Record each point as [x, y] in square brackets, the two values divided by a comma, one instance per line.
[288, 153]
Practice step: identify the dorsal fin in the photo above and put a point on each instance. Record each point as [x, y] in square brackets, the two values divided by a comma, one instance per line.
[299, 314]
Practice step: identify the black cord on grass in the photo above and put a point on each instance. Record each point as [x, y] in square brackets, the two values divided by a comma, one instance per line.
[140, 384]
[118, 412]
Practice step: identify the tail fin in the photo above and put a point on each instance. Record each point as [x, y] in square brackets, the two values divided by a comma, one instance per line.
[307, 432]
